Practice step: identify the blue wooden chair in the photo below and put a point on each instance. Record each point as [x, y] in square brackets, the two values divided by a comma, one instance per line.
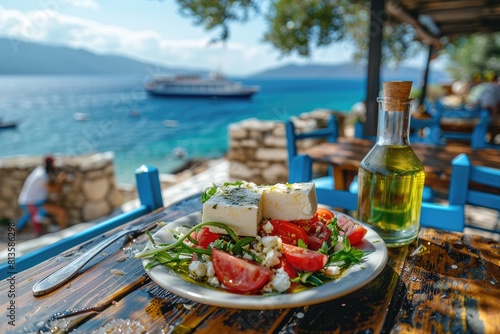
[448, 217]
[477, 136]
[149, 190]
[426, 130]
[330, 133]
[301, 171]
[464, 173]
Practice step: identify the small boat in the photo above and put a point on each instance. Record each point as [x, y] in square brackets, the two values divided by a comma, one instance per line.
[7, 125]
[216, 86]
[170, 123]
[81, 116]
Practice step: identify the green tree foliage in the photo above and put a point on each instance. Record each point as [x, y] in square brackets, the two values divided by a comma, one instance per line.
[474, 55]
[218, 14]
[300, 26]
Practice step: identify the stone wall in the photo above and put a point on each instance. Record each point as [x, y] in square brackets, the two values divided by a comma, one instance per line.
[257, 149]
[90, 190]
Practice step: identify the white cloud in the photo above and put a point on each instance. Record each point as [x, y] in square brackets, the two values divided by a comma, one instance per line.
[48, 26]
[83, 3]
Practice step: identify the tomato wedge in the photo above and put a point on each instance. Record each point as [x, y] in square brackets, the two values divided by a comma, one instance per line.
[288, 232]
[239, 274]
[304, 259]
[205, 237]
[318, 233]
[324, 215]
[287, 267]
[354, 232]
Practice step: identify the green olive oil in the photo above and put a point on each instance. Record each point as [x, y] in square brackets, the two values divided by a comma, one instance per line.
[391, 181]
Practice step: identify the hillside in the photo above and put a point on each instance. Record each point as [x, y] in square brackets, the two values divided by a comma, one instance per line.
[19, 57]
[345, 71]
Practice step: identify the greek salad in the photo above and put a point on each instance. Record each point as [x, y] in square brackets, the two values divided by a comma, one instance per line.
[285, 256]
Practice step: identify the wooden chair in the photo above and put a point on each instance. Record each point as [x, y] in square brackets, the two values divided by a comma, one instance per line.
[465, 174]
[149, 190]
[447, 217]
[426, 130]
[330, 133]
[301, 171]
[471, 124]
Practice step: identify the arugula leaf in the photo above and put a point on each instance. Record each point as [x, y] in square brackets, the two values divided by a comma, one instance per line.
[237, 248]
[301, 244]
[180, 241]
[208, 192]
[344, 258]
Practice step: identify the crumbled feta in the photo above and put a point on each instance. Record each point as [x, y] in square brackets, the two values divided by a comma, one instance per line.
[210, 269]
[280, 282]
[270, 242]
[247, 256]
[339, 245]
[272, 259]
[268, 227]
[197, 269]
[213, 281]
[332, 271]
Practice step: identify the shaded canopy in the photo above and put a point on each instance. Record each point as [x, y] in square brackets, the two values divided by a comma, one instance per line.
[452, 17]
[436, 22]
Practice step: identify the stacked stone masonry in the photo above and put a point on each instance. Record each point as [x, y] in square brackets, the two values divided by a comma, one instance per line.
[257, 148]
[89, 192]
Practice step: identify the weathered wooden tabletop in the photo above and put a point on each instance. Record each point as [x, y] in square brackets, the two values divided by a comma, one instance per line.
[347, 153]
[451, 285]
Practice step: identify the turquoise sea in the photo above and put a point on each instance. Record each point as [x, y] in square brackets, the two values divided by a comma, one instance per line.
[75, 115]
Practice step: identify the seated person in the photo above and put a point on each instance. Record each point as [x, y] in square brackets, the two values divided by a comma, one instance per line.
[487, 95]
[34, 196]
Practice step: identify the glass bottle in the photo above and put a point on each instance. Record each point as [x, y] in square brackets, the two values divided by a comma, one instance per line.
[391, 177]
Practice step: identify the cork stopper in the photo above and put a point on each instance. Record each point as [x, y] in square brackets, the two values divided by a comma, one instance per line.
[396, 95]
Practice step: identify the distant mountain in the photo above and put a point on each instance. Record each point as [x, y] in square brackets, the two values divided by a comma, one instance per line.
[345, 71]
[20, 57]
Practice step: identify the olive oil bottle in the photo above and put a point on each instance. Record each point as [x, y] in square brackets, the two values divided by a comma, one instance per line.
[391, 177]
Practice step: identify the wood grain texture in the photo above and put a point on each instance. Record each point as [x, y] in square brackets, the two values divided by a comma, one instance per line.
[452, 285]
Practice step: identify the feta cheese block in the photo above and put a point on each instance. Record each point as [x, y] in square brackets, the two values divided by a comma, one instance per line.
[292, 201]
[238, 207]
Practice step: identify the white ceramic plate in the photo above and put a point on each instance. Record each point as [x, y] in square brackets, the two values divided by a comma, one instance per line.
[353, 279]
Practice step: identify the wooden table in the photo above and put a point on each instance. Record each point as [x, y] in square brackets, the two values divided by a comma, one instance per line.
[347, 153]
[452, 285]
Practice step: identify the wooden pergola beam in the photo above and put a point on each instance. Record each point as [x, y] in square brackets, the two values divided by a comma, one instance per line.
[374, 60]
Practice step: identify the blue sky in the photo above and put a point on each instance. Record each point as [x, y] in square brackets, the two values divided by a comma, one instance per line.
[153, 31]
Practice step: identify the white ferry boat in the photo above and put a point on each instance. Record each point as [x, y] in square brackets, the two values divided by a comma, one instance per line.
[216, 86]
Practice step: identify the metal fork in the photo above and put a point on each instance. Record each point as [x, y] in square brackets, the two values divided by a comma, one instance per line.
[70, 270]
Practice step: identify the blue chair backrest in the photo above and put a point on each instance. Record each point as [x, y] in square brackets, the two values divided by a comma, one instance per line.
[149, 190]
[465, 173]
[446, 217]
[427, 130]
[477, 137]
[301, 171]
[431, 126]
[330, 133]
